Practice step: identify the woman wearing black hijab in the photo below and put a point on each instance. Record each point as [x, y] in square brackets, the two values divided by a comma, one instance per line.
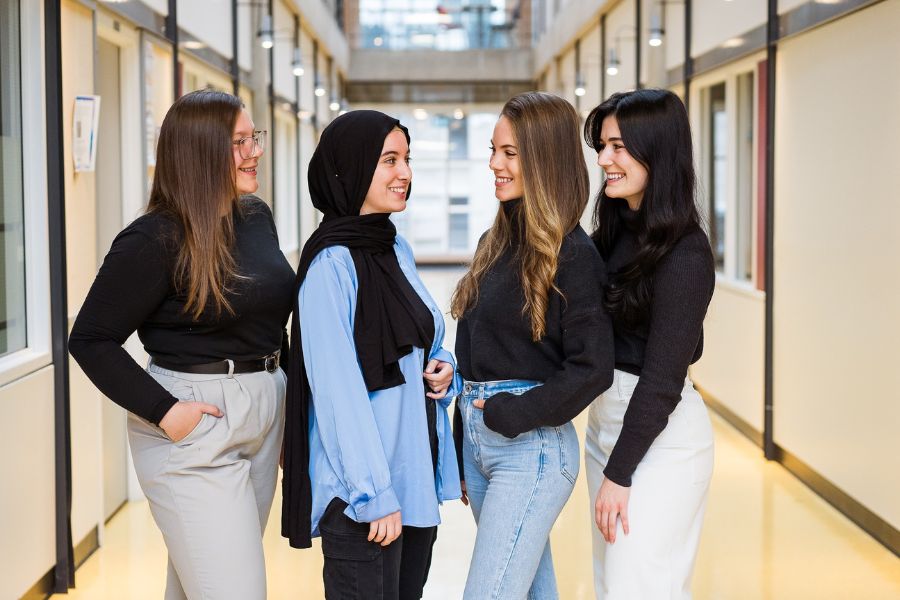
[368, 451]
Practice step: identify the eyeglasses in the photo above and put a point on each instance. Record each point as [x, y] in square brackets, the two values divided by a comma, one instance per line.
[247, 146]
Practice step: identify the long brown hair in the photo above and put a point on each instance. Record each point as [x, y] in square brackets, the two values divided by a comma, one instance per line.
[194, 184]
[556, 188]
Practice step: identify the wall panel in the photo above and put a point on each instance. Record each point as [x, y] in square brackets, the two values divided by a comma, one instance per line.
[837, 279]
[27, 504]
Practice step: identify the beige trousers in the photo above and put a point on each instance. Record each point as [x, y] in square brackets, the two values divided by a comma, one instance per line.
[210, 493]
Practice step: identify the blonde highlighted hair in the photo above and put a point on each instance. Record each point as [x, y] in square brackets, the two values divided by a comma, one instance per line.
[556, 188]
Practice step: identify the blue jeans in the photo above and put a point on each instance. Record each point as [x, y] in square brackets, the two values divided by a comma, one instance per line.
[517, 487]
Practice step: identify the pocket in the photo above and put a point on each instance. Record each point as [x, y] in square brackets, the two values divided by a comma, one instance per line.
[195, 432]
[343, 538]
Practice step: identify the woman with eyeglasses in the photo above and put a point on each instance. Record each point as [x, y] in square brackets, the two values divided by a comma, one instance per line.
[202, 280]
[368, 453]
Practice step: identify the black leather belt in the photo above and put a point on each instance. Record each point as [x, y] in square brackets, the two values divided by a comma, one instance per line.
[224, 367]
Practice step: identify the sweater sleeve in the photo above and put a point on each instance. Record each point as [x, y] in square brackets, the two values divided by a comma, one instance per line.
[133, 281]
[587, 347]
[682, 288]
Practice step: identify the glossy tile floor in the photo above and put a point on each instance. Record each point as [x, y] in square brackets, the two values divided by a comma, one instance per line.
[766, 537]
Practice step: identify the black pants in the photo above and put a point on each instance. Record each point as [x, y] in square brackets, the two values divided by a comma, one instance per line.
[357, 569]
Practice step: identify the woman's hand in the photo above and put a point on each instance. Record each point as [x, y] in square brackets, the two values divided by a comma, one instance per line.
[183, 417]
[612, 502]
[438, 374]
[465, 496]
[386, 529]
[478, 403]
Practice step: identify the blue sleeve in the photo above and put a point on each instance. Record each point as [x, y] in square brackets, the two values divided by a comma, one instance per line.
[456, 385]
[343, 411]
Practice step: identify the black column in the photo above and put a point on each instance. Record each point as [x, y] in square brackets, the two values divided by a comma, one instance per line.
[637, 44]
[64, 572]
[271, 87]
[235, 64]
[688, 61]
[172, 36]
[771, 51]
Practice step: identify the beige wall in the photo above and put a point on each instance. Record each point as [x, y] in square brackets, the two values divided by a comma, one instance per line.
[837, 279]
[285, 82]
[731, 369]
[27, 513]
[194, 17]
[620, 21]
[716, 21]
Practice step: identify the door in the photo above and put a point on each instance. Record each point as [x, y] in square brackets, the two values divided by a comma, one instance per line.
[109, 222]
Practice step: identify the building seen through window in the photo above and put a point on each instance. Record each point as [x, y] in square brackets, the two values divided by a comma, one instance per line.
[452, 201]
[12, 222]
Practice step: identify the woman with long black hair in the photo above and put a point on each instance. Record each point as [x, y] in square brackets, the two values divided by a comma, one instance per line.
[368, 448]
[202, 280]
[649, 443]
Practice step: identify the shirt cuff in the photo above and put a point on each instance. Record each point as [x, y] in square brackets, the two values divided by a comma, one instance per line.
[382, 505]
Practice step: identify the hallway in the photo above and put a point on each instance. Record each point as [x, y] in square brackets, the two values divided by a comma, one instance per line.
[766, 537]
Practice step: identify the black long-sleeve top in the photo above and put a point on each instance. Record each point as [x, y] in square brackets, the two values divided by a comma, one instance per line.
[574, 359]
[135, 291]
[660, 350]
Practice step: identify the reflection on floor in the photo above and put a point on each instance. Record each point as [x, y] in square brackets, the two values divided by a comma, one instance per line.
[766, 537]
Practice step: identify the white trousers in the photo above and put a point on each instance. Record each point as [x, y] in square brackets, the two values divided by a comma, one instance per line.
[667, 499]
[210, 493]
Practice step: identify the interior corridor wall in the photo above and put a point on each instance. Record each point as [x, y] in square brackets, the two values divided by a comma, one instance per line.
[837, 279]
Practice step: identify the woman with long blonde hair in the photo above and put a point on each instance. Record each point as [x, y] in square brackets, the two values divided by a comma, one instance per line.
[534, 347]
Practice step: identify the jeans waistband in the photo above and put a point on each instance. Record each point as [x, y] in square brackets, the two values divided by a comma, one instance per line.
[486, 389]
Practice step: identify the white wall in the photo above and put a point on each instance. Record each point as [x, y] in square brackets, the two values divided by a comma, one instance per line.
[787, 5]
[284, 51]
[837, 278]
[620, 21]
[209, 21]
[717, 20]
[673, 42]
[27, 513]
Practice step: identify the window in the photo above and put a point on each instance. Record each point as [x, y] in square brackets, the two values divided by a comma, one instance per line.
[459, 140]
[458, 235]
[12, 222]
[727, 172]
[718, 188]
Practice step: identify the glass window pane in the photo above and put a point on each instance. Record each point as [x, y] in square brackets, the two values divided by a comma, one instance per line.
[745, 134]
[718, 191]
[12, 223]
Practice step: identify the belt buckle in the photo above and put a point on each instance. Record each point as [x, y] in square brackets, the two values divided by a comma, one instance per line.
[271, 363]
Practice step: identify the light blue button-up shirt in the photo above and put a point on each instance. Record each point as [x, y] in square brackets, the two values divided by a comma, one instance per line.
[370, 449]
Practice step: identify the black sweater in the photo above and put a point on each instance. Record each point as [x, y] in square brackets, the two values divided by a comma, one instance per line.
[134, 290]
[659, 351]
[574, 359]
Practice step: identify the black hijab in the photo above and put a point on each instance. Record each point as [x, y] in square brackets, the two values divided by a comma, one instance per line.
[390, 316]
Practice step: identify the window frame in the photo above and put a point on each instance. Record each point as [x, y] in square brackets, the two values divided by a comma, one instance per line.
[36, 353]
[700, 122]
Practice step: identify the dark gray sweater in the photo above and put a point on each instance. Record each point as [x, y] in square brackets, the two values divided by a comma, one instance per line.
[660, 350]
[135, 291]
[574, 359]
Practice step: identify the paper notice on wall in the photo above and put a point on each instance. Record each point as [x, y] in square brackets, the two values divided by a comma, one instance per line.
[85, 120]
